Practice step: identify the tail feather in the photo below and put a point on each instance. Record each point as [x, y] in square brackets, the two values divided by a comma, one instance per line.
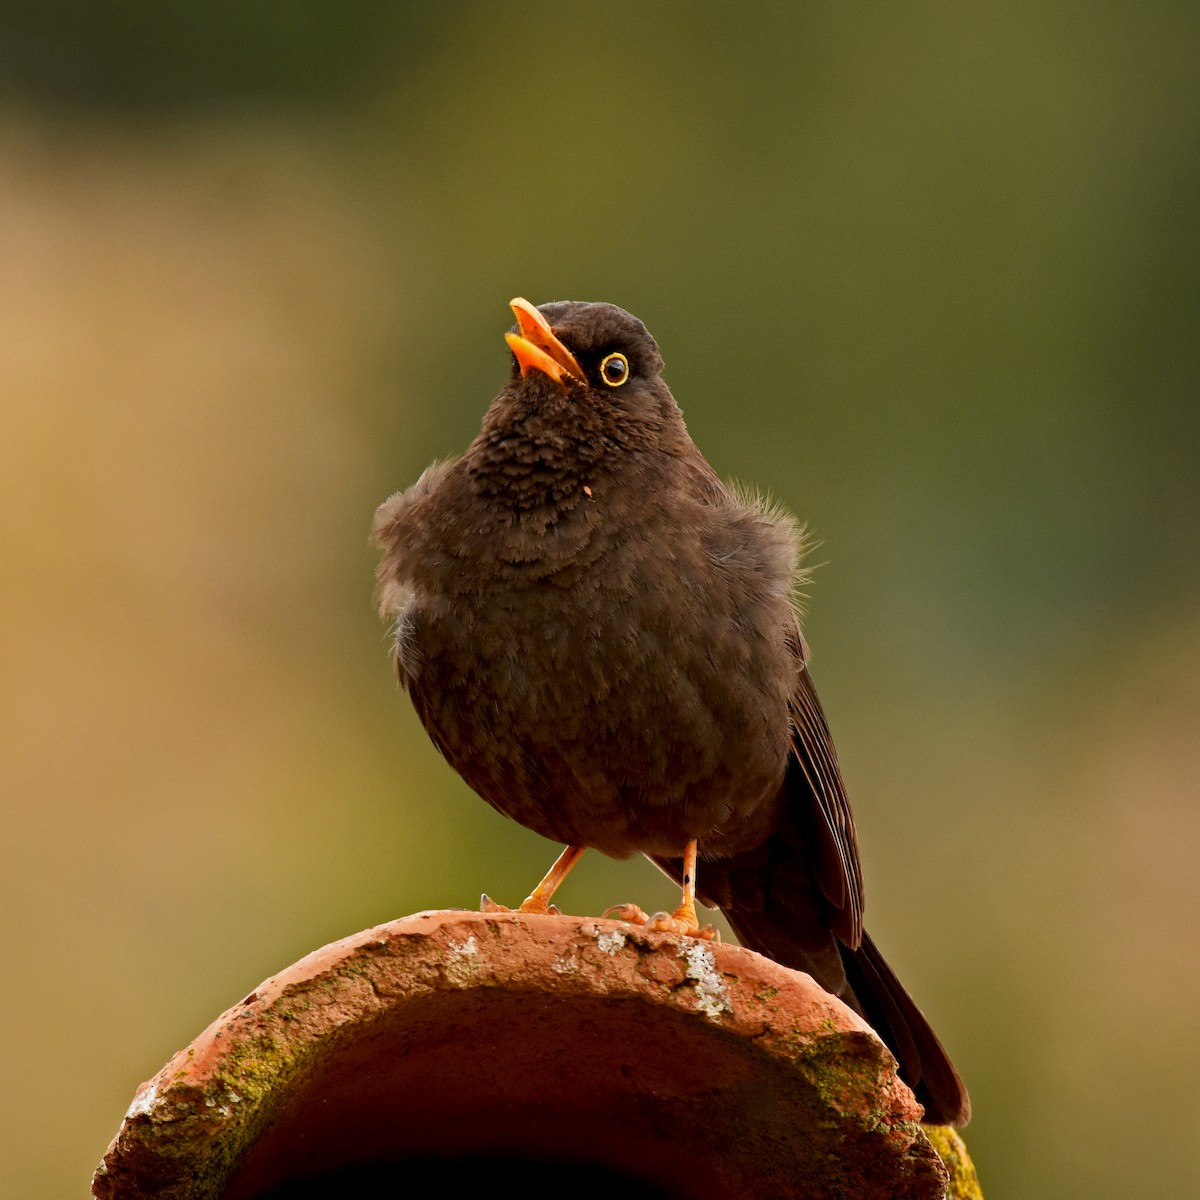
[925, 1065]
[863, 979]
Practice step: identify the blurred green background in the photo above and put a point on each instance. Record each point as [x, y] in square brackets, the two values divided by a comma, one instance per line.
[928, 274]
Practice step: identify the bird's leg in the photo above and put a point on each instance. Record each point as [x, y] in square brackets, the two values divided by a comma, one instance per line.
[683, 919]
[686, 912]
[538, 901]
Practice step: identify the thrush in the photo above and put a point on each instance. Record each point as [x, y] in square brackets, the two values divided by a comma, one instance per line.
[602, 638]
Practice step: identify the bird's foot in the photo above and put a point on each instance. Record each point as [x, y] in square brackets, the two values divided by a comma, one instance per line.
[682, 921]
[531, 904]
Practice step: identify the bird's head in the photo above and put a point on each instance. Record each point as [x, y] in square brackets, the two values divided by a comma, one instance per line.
[581, 345]
[595, 359]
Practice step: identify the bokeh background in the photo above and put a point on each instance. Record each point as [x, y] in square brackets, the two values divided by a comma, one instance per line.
[930, 275]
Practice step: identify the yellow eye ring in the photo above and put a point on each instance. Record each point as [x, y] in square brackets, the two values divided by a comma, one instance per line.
[614, 370]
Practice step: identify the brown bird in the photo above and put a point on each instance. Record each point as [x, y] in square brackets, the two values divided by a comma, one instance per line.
[602, 639]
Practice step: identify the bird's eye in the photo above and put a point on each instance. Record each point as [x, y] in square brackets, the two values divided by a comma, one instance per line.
[614, 370]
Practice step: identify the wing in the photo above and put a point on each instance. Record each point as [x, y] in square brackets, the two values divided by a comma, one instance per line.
[800, 892]
[814, 791]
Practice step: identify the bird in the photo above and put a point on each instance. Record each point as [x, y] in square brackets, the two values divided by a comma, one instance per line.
[603, 638]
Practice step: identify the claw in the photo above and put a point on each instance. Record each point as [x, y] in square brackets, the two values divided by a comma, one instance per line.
[531, 905]
[662, 922]
[626, 912]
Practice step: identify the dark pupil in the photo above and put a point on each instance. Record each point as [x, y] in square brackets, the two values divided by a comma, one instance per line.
[614, 369]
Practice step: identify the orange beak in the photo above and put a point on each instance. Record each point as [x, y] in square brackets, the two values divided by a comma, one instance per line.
[536, 347]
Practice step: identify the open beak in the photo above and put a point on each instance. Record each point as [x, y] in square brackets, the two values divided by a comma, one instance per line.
[537, 349]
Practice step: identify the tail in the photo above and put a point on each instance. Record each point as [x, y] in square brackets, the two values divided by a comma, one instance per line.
[862, 979]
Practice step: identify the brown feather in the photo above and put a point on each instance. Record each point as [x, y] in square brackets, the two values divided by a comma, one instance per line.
[602, 638]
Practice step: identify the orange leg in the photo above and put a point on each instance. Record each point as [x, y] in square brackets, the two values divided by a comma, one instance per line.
[683, 919]
[686, 912]
[538, 901]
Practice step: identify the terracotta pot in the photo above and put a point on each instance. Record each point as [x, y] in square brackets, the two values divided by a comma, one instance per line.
[481, 1050]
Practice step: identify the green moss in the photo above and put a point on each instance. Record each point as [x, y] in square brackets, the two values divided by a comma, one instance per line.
[836, 1070]
[251, 1069]
[964, 1183]
[844, 1067]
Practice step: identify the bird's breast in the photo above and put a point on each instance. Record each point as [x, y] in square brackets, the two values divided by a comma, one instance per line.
[605, 681]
